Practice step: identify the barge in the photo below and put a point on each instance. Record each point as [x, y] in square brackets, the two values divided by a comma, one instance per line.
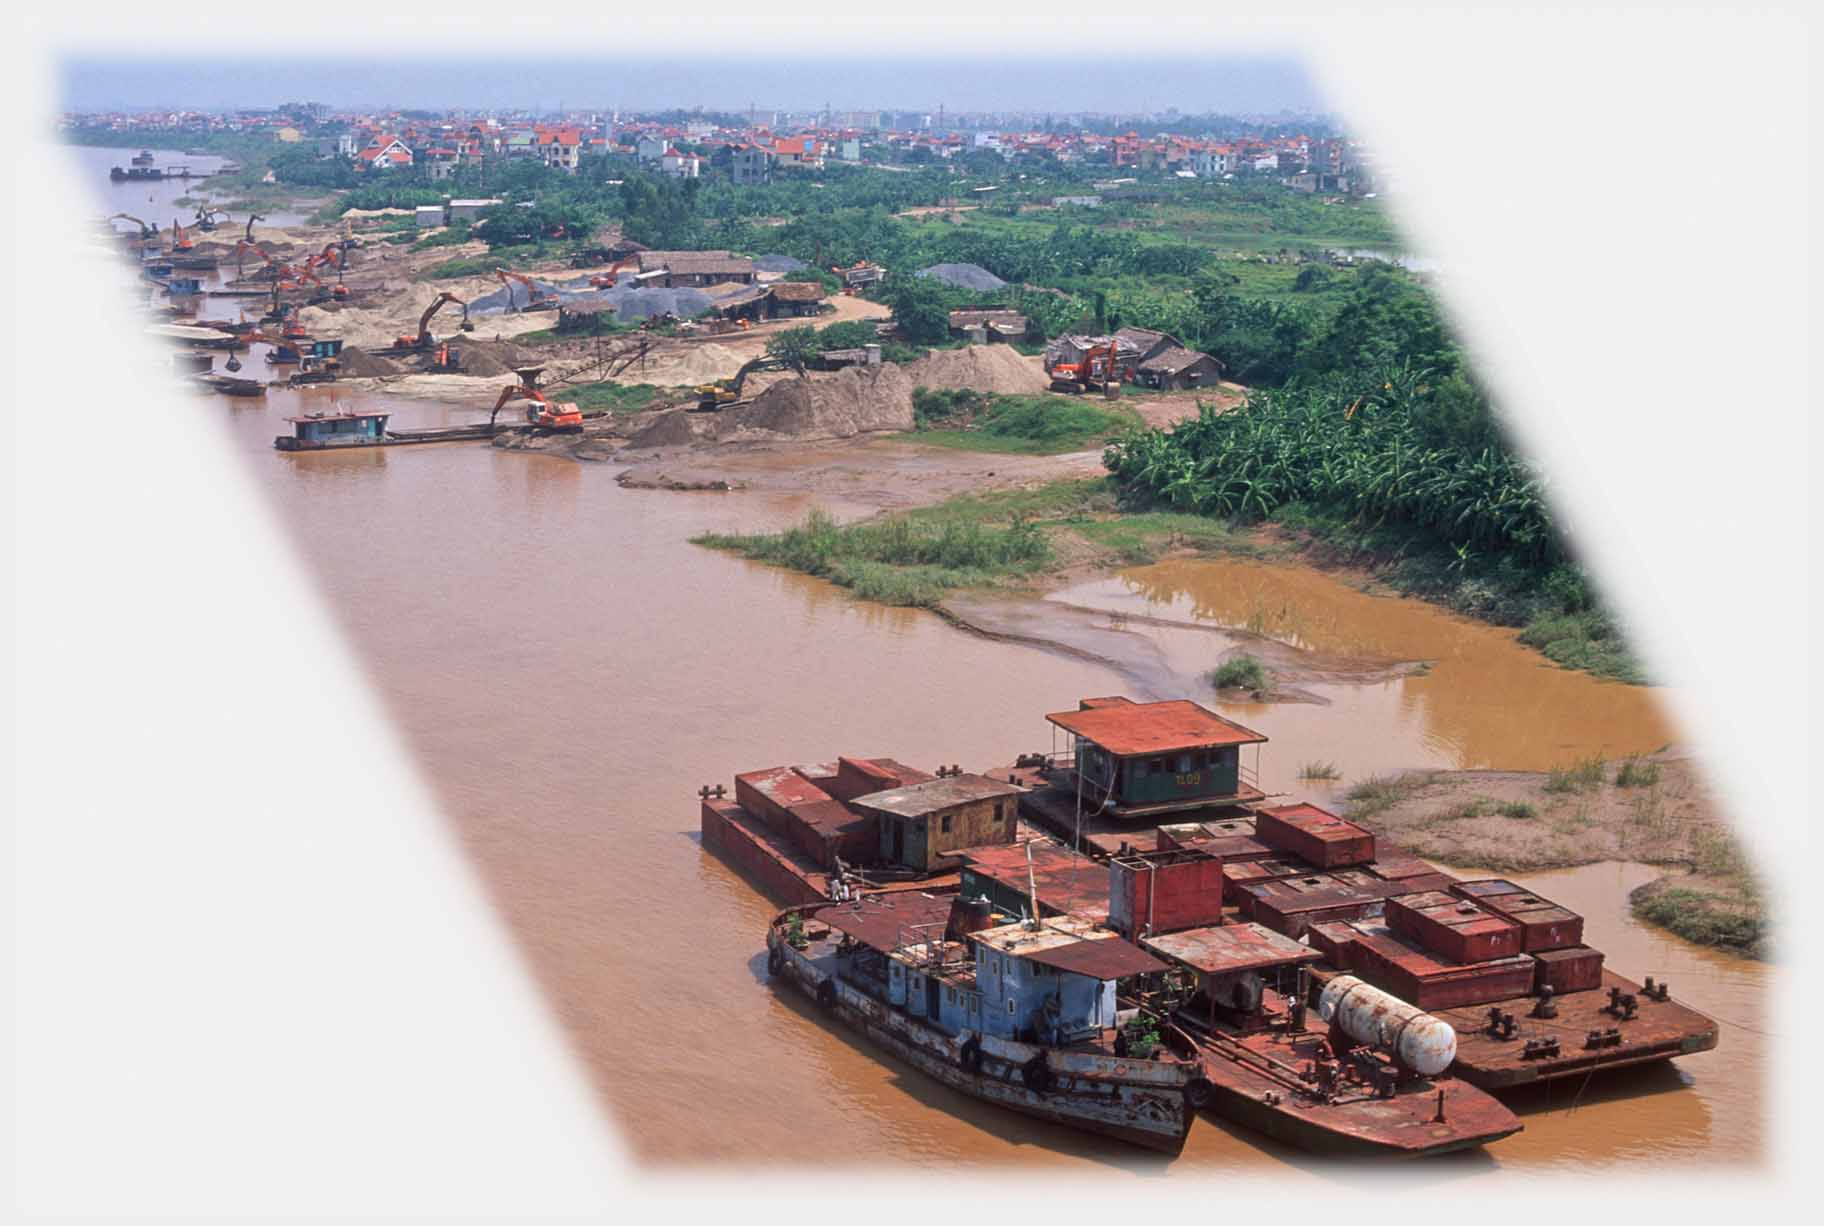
[1021, 1014]
[1307, 1081]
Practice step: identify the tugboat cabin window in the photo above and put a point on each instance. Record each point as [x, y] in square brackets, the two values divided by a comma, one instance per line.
[944, 827]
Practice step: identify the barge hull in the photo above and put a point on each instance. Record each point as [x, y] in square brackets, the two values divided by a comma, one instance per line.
[1395, 1137]
[1150, 1116]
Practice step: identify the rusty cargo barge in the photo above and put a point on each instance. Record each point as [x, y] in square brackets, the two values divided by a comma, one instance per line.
[874, 837]
[1159, 788]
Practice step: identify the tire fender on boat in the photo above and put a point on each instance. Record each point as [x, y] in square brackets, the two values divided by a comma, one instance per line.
[971, 1054]
[775, 960]
[1036, 1073]
[1198, 1092]
[826, 993]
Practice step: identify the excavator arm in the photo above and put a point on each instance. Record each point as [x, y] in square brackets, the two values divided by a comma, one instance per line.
[535, 296]
[423, 339]
[145, 231]
[541, 412]
[606, 280]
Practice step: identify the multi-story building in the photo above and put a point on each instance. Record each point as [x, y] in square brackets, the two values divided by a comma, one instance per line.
[751, 164]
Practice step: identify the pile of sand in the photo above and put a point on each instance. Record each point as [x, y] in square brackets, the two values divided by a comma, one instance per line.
[856, 400]
[982, 368]
[675, 364]
[392, 310]
[359, 364]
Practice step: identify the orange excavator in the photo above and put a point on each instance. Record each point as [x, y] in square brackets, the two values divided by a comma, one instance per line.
[1101, 366]
[542, 413]
[330, 256]
[606, 280]
[536, 295]
[423, 340]
[180, 238]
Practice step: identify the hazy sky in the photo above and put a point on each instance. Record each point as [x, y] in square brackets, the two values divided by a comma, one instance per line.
[1253, 85]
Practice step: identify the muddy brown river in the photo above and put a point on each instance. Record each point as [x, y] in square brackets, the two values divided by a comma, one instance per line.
[569, 671]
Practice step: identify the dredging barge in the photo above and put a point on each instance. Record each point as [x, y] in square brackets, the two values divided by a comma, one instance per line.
[1278, 902]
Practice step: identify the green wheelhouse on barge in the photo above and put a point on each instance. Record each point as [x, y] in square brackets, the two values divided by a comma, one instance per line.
[321, 431]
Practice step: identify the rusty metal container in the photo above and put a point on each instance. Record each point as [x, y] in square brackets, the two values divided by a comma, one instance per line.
[968, 915]
[1291, 905]
[1393, 864]
[1335, 939]
[768, 794]
[1315, 835]
[1416, 976]
[1456, 929]
[1235, 876]
[1577, 969]
[1164, 891]
[1544, 924]
[1423, 1043]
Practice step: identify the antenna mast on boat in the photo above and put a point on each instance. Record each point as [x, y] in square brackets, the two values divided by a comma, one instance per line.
[1032, 889]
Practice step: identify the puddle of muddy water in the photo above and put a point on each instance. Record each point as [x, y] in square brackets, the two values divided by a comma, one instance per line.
[1483, 701]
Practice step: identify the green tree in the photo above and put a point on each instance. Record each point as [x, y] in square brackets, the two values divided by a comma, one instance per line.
[796, 346]
[921, 308]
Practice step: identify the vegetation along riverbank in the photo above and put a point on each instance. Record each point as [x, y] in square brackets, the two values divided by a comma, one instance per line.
[1655, 809]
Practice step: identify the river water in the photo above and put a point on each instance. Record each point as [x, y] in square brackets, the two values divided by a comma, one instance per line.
[569, 670]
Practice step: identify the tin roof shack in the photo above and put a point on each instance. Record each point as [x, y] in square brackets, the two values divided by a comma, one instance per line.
[1315, 835]
[1178, 369]
[923, 825]
[794, 298]
[808, 805]
[1135, 759]
[1164, 891]
[1543, 924]
[1233, 962]
[695, 268]
[319, 431]
[1147, 344]
[1053, 982]
[584, 316]
[1066, 883]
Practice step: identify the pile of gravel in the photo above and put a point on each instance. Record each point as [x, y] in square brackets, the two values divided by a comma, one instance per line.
[628, 301]
[779, 263]
[963, 276]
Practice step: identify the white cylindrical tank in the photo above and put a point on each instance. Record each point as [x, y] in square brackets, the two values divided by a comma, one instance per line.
[1421, 1042]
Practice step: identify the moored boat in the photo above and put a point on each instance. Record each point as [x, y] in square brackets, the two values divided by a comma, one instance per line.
[1305, 1080]
[1021, 1014]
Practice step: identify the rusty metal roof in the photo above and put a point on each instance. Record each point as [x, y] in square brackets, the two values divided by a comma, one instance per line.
[1072, 944]
[1105, 958]
[1228, 948]
[877, 920]
[936, 795]
[1066, 881]
[1314, 819]
[1154, 727]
